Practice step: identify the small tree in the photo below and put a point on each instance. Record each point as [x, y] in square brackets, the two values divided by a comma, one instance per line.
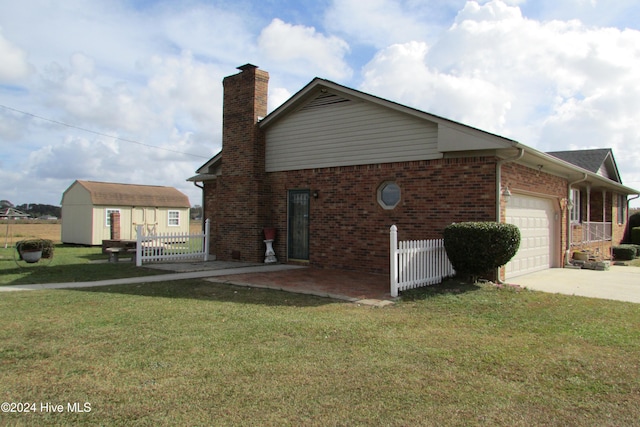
[476, 248]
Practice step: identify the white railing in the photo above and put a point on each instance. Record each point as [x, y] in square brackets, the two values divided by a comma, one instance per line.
[596, 231]
[172, 246]
[417, 263]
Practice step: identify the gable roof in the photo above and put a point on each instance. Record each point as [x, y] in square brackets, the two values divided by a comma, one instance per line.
[108, 193]
[598, 161]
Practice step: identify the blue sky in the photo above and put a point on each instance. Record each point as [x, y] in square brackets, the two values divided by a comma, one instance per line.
[552, 75]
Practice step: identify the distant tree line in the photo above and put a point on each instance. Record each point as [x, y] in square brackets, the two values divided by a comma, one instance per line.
[196, 212]
[37, 210]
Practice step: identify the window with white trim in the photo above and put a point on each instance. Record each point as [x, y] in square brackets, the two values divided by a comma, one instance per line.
[574, 215]
[108, 213]
[174, 218]
[388, 195]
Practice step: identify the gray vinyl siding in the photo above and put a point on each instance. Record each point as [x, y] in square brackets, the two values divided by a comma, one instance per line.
[342, 132]
[604, 171]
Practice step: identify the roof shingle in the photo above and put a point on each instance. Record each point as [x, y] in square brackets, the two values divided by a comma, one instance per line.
[107, 193]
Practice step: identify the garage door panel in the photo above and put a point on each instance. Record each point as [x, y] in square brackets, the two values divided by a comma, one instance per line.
[533, 216]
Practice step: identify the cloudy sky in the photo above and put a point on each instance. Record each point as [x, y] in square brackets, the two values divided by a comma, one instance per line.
[130, 90]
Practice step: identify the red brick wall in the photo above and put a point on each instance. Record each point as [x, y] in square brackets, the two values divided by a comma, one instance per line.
[350, 230]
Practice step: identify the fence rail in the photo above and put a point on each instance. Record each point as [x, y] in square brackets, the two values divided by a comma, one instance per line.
[417, 263]
[171, 246]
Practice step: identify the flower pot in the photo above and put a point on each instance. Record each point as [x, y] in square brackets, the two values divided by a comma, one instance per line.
[269, 233]
[581, 256]
[31, 256]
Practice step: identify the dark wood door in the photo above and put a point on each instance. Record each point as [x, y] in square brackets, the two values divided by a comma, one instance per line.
[299, 224]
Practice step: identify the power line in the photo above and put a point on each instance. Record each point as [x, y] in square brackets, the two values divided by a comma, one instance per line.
[99, 133]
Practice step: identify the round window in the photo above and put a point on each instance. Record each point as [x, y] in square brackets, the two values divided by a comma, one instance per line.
[389, 195]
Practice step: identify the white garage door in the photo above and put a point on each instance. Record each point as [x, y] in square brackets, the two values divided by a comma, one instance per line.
[534, 217]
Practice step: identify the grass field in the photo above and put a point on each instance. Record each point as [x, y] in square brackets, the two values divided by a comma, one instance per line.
[12, 231]
[197, 353]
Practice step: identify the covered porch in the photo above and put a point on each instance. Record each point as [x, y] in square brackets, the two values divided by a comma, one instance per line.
[597, 221]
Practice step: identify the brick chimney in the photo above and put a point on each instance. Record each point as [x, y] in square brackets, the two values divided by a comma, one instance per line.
[240, 213]
[115, 225]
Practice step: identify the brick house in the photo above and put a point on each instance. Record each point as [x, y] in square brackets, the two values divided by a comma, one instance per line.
[333, 168]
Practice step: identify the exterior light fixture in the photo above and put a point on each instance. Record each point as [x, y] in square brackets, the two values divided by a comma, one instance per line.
[506, 194]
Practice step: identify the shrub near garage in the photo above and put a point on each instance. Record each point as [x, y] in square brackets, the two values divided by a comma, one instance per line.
[633, 222]
[624, 252]
[476, 248]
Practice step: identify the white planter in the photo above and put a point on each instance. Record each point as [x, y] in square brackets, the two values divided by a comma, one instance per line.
[31, 257]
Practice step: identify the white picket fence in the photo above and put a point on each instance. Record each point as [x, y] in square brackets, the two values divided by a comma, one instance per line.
[172, 246]
[416, 263]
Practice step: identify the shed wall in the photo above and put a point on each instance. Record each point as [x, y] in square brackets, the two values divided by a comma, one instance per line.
[77, 219]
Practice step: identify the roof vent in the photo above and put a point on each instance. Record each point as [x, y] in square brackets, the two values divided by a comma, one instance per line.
[325, 99]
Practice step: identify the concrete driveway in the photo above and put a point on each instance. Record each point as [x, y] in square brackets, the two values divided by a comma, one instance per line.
[619, 283]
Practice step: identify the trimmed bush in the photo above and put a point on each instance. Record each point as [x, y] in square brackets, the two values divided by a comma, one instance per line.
[475, 248]
[634, 221]
[624, 252]
[635, 235]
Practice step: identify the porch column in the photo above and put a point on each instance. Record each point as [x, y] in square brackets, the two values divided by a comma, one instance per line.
[588, 233]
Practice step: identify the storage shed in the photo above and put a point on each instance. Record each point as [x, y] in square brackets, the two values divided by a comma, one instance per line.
[87, 208]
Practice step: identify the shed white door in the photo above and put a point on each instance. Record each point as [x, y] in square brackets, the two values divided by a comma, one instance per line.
[534, 216]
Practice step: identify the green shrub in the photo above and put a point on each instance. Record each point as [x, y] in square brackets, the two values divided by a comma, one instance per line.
[637, 249]
[475, 248]
[634, 221]
[44, 245]
[635, 235]
[624, 252]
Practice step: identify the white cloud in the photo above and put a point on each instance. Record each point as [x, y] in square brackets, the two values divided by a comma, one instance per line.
[14, 65]
[401, 73]
[301, 48]
[381, 23]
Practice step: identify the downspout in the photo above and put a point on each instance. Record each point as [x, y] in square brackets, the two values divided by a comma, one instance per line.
[499, 191]
[202, 205]
[567, 252]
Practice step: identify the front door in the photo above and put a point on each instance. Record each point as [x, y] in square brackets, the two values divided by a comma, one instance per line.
[299, 225]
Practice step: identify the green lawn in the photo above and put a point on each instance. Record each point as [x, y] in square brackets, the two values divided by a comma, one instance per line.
[197, 353]
[68, 264]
